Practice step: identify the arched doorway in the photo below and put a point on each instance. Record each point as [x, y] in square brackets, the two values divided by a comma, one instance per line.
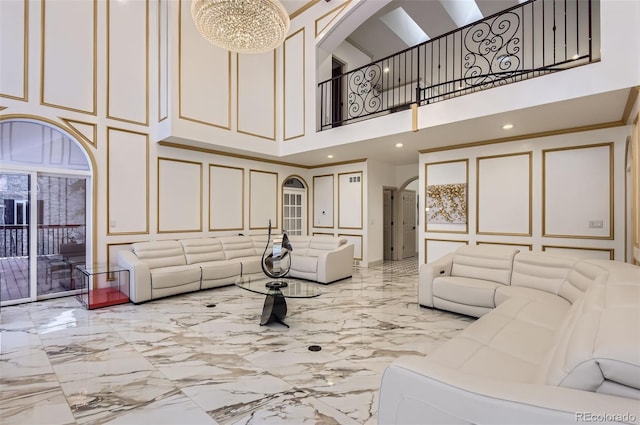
[294, 205]
[45, 204]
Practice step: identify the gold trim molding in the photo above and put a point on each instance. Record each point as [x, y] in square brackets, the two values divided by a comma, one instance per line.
[332, 201]
[220, 229]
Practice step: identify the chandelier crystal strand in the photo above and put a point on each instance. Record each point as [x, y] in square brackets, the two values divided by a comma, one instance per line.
[243, 26]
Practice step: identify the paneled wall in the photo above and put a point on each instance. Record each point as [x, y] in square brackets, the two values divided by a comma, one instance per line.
[561, 194]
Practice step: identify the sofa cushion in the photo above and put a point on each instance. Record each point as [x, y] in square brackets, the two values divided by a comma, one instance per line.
[326, 243]
[490, 263]
[304, 264]
[202, 250]
[299, 243]
[580, 278]
[213, 270]
[506, 344]
[238, 246]
[160, 253]
[597, 348]
[541, 271]
[504, 293]
[464, 290]
[167, 277]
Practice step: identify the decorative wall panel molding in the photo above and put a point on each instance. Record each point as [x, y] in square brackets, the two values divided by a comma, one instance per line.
[294, 85]
[577, 192]
[581, 252]
[350, 200]
[504, 194]
[437, 248]
[323, 22]
[128, 61]
[356, 240]
[14, 44]
[69, 57]
[521, 247]
[323, 201]
[127, 193]
[204, 76]
[163, 60]
[256, 92]
[85, 130]
[226, 198]
[179, 196]
[263, 199]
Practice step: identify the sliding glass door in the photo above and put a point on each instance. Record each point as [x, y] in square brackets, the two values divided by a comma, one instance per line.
[45, 197]
[15, 238]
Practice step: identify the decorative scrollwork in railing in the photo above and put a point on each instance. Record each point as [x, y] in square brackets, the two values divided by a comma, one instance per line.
[492, 51]
[364, 96]
[530, 39]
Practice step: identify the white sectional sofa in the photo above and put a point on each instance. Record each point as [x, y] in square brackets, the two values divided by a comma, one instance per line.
[163, 268]
[557, 341]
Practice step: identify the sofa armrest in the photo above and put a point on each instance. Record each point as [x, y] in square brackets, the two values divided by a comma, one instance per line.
[139, 276]
[428, 272]
[335, 265]
[414, 390]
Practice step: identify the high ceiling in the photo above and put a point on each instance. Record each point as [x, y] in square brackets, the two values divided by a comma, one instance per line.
[377, 40]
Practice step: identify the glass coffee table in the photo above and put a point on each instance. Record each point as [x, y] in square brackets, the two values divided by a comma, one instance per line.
[277, 291]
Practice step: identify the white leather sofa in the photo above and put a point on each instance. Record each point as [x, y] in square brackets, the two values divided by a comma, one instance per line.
[557, 341]
[163, 268]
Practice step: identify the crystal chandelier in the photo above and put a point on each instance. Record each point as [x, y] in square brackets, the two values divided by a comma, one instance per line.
[243, 26]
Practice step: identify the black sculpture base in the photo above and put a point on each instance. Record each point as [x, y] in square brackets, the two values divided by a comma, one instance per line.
[276, 284]
[274, 310]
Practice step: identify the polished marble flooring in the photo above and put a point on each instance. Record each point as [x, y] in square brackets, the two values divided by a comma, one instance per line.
[180, 361]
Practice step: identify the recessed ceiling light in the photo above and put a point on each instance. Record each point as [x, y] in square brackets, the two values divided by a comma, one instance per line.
[399, 145]
[330, 156]
[507, 126]
[385, 69]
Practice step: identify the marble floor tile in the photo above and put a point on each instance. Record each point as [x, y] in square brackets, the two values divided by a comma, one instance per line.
[180, 360]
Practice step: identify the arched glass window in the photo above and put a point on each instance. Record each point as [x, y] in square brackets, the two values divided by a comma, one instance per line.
[44, 202]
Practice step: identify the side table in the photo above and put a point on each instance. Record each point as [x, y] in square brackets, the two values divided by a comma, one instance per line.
[102, 285]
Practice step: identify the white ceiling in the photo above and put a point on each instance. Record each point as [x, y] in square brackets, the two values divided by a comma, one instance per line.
[586, 111]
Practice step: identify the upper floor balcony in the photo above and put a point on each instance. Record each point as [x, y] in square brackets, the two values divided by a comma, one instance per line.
[532, 39]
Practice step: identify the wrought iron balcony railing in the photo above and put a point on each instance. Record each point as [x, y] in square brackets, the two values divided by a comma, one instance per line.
[14, 238]
[526, 41]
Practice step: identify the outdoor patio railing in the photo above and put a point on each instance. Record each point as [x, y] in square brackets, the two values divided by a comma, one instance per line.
[14, 239]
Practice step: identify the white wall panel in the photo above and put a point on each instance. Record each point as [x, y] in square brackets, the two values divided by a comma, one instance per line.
[350, 200]
[587, 253]
[356, 240]
[163, 59]
[504, 194]
[294, 90]
[13, 49]
[69, 55]
[128, 61]
[323, 201]
[521, 247]
[204, 76]
[437, 248]
[577, 191]
[257, 92]
[127, 192]
[179, 196]
[443, 173]
[226, 198]
[263, 199]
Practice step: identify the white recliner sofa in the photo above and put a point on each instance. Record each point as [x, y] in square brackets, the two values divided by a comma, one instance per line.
[557, 341]
[162, 268]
